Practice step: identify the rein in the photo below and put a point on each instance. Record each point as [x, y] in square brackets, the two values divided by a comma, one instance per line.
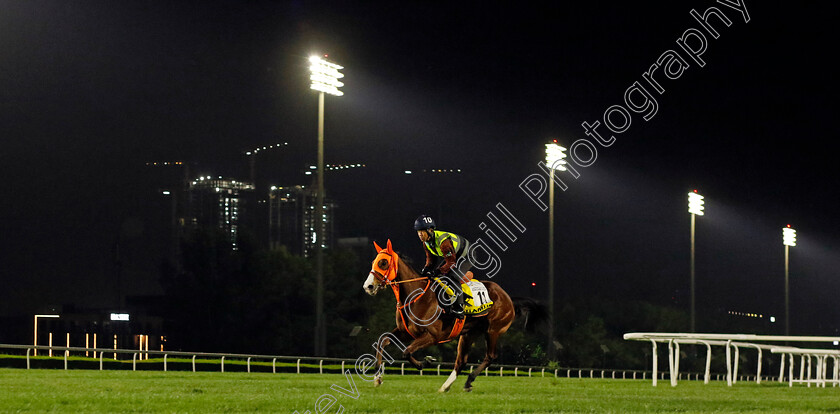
[396, 282]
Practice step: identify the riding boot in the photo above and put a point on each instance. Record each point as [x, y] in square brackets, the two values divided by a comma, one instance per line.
[458, 306]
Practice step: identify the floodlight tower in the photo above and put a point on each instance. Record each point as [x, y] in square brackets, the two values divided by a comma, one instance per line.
[695, 207]
[788, 239]
[554, 159]
[325, 79]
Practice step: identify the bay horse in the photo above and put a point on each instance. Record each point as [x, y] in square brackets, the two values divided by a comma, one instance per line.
[422, 321]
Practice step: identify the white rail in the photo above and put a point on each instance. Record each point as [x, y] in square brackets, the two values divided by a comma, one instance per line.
[512, 370]
[822, 356]
[729, 341]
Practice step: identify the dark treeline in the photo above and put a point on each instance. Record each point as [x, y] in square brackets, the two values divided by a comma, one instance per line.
[254, 300]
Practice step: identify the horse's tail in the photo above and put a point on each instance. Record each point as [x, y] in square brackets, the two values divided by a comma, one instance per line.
[532, 312]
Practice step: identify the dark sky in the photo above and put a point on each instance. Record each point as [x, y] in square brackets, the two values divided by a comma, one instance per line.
[92, 90]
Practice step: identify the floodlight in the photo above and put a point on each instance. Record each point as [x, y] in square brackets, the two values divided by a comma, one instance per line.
[554, 156]
[788, 236]
[325, 76]
[695, 203]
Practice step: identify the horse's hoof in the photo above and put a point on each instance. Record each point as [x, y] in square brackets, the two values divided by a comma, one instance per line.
[442, 389]
[429, 359]
[377, 382]
[467, 389]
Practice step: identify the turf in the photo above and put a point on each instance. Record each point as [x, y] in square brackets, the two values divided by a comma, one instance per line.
[42, 390]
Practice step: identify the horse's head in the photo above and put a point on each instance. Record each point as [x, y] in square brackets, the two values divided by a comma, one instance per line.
[383, 270]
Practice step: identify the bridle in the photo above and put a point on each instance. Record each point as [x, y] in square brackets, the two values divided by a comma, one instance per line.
[387, 275]
[390, 275]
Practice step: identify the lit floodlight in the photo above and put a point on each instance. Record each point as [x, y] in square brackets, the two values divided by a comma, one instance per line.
[789, 236]
[554, 155]
[325, 76]
[695, 203]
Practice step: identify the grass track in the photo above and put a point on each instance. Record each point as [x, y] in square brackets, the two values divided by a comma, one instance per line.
[146, 391]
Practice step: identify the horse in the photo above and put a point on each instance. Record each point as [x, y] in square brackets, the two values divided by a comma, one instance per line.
[421, 320]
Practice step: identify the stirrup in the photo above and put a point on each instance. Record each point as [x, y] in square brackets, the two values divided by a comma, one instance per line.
[458, 304]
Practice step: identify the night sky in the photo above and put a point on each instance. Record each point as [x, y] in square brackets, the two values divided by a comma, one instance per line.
[90, 91]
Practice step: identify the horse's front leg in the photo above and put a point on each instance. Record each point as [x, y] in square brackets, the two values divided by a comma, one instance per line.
[380, 366]
[423, 341]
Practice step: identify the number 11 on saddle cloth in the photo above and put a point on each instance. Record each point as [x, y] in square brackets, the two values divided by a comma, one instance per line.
[476, 300]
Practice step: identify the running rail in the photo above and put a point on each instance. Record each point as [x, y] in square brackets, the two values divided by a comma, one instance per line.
[730, 342]
[822, 356]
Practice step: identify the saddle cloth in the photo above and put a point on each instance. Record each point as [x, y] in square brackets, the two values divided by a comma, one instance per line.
[476, 299]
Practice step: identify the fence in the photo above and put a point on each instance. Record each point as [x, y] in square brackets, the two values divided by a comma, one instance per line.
[732, 342]
[105, 354]
[822, 356]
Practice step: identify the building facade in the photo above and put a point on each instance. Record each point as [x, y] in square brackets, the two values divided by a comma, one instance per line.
[292, 220]
[220, 203]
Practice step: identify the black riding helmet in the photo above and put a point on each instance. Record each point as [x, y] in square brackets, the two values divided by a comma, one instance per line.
[424, 222]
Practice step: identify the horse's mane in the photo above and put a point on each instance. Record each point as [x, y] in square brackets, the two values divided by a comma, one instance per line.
[407, 260]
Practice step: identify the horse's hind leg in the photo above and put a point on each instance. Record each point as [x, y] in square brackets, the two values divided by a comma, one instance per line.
[489, 357]
[464, 343]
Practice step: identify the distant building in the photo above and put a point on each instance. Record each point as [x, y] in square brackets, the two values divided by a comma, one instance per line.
[220, 203]
[291, 212]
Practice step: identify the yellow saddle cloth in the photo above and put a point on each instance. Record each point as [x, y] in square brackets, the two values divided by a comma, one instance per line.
[476, 299]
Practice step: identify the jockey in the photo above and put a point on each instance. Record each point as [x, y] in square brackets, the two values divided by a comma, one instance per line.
[444, 251]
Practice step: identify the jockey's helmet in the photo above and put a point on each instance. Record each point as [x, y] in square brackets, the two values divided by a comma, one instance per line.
[424, 222]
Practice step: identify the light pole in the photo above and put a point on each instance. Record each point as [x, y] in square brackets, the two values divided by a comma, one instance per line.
[35, 338]
[325, 79]
[789, 239]
[695, 207]
[554, 155]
